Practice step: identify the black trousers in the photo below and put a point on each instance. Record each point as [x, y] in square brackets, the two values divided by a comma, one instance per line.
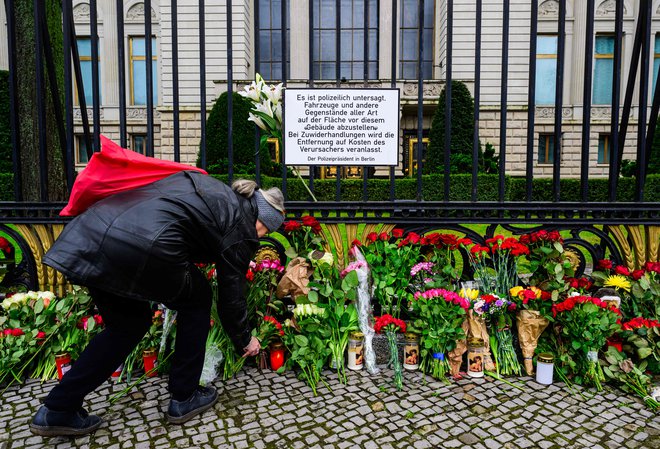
[126, 321]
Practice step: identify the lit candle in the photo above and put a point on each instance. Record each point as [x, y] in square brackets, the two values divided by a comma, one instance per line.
[276, 356]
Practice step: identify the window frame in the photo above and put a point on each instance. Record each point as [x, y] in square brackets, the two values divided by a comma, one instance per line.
[554, 56]
[597, 56]
[606, 148]
[549, 155]
[76, 101]
[132, 58]
[401, 29]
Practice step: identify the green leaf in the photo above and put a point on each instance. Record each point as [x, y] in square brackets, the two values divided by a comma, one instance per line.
[644, 352]
[576, 344]
[313, 296]
[39, 306]
[301, 341]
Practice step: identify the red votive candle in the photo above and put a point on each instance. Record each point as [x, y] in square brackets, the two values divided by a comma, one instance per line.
[149, 357]
[276, 356]
[63, 363]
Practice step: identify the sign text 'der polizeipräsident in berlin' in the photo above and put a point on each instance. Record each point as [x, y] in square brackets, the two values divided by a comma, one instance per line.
[341, 126]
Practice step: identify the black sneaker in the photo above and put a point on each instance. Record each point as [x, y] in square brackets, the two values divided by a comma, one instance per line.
[181, 411]
[51, 423]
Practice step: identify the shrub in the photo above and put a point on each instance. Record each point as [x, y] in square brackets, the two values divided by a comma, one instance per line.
[243, 138]
[462, 130]
[5, 127]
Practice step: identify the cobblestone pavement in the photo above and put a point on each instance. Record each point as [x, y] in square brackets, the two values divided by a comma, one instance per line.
[266, 410]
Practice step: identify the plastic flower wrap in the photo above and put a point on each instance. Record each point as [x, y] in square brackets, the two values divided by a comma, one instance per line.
[441, 314]
[533, 314]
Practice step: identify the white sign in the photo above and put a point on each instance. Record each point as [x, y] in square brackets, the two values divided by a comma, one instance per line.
[341, 126]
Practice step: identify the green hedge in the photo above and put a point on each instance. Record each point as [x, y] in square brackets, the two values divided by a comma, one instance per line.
[6, 187]
[460, 188]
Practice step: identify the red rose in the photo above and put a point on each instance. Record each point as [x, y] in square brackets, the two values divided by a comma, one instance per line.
[249, 275]
[414, 237]
[312, 222]
[41, 335]
[356, 242]
[620, 269]
[637, 274]
[6, 332]
[397, 233]
[546, 295]
[291, 226]
[372, 237]
[605, 264]
[383, 236]
[465, 242]
[17, 332]
[98, 319]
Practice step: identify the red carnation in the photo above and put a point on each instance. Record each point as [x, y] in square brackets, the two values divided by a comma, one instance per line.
[414, 237]
[605, 264]
[383, 236]
[397, 233]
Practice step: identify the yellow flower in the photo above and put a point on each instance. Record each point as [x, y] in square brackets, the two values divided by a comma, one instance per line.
[515, 291]
[617, 281]
[469, 293]
[537, 292]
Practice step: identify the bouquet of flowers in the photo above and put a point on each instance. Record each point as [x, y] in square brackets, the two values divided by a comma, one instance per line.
[643, 341]
[533, 307]
[638, 288]
[390, 326]
[495, 264]
[498, 313]
[631, 378]
[390, 258]
[336, 293]
[476, 321]
[304, 236]
[581, 286]
[586, 323]
[441, 314]
[307, 342]
[549, 262]
[439, 249]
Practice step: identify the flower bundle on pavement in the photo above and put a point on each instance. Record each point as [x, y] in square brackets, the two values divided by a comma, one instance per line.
[440, 316]
[390, 325]
[586, 323]
[498, 313]
[631, 378]
[638, 289]
[534, 307]
[548, 261]
[391, 257]
[643, 341]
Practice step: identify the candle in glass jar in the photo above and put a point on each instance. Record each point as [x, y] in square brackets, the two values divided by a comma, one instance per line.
[545, 368]
[150, 360]
[276, 356]
[63, 363]
[476, 357]
[355, 351]
[411, 351]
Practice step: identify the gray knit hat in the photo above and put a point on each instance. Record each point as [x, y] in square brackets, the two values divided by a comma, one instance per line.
[268, 215]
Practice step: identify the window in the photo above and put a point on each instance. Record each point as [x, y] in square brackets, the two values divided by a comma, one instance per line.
[352, 22]
[85, 54]
[409, 46]
[270, 39]
[139, 143]
[81, 150]
[138, 70]
[603, 69]
[604, 149]
[546, 69]
[656, 61]
[274, 149]
[546, 148]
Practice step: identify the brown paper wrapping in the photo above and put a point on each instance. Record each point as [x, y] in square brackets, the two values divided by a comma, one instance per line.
[530, 327]
[456, 355]
[477, 329]
[295, 279]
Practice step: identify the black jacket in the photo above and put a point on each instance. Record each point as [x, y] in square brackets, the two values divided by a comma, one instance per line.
[140, 243]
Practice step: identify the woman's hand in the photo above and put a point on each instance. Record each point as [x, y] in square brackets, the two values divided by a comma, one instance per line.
[253, 347]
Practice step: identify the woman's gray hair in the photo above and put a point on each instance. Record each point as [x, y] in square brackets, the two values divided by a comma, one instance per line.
[273, 196]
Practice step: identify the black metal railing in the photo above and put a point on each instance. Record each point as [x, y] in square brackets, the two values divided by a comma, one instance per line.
[395, 210]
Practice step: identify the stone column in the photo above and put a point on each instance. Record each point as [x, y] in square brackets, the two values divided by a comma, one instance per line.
[299, 39]
[385, 39]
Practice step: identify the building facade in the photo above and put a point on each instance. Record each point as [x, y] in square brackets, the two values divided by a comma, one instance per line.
[311, 44]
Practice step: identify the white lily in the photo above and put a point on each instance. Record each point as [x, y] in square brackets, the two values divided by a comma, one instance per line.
[266, 107]
[257, 121]
[277, 110]
[274, 93]
[252, 92]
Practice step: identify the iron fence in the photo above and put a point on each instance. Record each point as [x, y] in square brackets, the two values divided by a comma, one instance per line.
[418, 210]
